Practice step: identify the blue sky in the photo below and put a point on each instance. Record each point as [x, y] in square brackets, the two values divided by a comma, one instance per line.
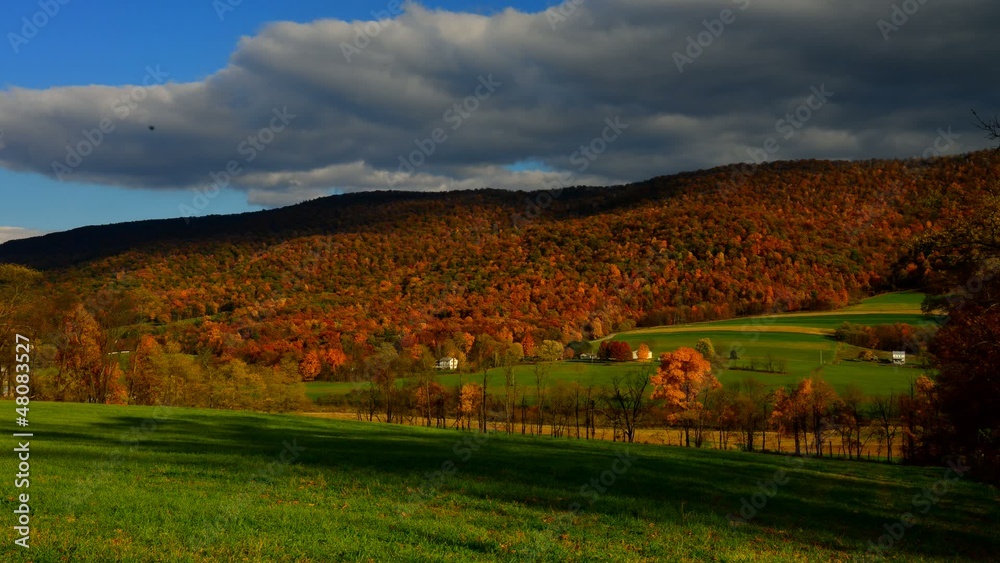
[461, 95]
[111, 43]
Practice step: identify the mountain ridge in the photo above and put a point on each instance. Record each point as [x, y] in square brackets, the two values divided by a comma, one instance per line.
[99, 241]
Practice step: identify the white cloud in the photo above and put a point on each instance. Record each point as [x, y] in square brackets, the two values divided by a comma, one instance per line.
[14, 233]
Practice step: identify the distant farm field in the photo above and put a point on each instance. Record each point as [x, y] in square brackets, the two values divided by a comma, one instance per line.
[802, 340]
[114, 483]
[823, 321]
[900, 301]
[802, 353]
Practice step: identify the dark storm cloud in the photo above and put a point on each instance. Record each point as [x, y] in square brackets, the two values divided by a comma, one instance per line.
[299, 119]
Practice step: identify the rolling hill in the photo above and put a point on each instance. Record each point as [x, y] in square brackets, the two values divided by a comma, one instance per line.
[428, 272]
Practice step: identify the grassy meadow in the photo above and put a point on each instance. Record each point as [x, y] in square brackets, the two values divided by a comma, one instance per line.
[114, 483]
[801, 339]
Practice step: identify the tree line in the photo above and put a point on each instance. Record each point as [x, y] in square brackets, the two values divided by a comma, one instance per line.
[679, 394]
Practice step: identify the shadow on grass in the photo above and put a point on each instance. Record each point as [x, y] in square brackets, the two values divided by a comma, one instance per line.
[837, 504]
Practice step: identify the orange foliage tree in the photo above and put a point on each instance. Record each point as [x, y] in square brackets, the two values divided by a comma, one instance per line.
[334, 358]
[528, 345]
[803, 410]
[644, 353]
[87, 370]
[682, 381]
[144, 382]
[310, 366]
[469, 401]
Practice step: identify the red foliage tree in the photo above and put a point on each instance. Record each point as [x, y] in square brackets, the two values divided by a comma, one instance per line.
[619, 351]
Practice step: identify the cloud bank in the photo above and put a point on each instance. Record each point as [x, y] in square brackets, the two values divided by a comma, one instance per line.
[593, 92]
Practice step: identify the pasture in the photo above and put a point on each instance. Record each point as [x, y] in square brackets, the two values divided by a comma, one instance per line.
[802, 340]
[113, 483]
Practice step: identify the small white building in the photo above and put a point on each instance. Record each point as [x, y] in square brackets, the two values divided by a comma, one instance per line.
[448, 363]
[899, 358]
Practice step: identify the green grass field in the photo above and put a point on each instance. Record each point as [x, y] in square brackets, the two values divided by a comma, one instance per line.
[584, 372]
[115, 483]
[801, 339]
[900, 301]
[823, 321]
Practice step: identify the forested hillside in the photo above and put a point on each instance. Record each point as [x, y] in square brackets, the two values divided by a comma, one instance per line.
[336, 279]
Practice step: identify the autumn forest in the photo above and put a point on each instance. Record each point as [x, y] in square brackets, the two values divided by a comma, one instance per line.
[240, 311]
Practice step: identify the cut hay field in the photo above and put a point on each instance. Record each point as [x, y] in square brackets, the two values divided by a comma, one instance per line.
[112, 483]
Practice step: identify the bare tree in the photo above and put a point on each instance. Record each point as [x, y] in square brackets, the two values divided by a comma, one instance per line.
[486, 353]
[752, 410]
[591, 398]
[425, 382]
[577, 395]
[722, 404]
[524, 413]
[541, 378]
[510, 395]
[853, 419]
[626, 402]
[562, 401]
[381, 376]
[885, 414]
[991, 126]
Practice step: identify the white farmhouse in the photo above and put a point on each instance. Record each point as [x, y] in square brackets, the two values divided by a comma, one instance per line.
[448, 363]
